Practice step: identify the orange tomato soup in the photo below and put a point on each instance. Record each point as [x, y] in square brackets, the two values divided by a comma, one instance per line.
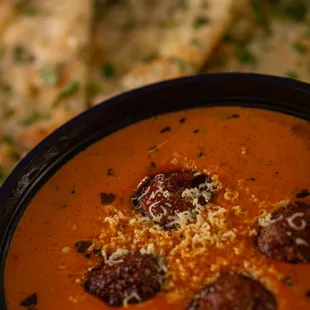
[262, 161]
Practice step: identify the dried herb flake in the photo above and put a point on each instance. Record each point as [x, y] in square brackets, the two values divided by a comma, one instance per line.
[82, 246]
[287, 280]
[182, 120]
[107, 198]
[111, 172]
[292, 75]
[196, 131]
[108, 71]
[153, 165]
[303, 193]
[165, 129]
[233, 116]
[31, 300]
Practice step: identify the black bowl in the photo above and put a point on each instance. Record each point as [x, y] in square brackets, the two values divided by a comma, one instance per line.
[260, 91]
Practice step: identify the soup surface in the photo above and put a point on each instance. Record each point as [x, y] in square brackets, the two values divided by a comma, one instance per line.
[259, 163]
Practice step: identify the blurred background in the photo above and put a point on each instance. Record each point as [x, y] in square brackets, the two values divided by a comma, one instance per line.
[60, 57]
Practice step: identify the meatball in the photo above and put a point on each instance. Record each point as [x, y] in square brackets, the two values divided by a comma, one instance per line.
[234, 292]
[163, 196]
[286, 236]
[132, 278]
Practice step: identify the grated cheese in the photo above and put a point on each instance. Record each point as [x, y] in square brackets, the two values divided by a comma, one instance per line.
[133, 295]
[300, 241]
[266, 220]
[114, 258]
[291, 220]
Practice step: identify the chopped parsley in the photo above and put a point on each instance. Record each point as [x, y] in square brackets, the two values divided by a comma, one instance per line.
[108, 71]
[292, 75]
[93, 90]
[300, 47]
[30, 11]
[244, 55]
[7, 140]
[153, 165]
[49, 75]
[260, 15]
[70, 89]
[34, 118]
[181, 64]
[20, 54]
[200, 21]
[295, 10]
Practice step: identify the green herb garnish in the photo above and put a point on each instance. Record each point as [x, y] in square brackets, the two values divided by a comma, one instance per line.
[181, 64]
[260, 15]
[34, 118]
[20, 55]
[70, 89]
[199, 22]
[244, 55]
[30, 11]
[49, 75]
[6, 140]
[93, 90]
[108, 71]
[300, 48]
[292, 75]
[195, 41]
[295, 10]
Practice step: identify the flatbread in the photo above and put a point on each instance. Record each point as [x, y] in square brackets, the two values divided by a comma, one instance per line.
[283, 51]
[43, 68]
[182, 40]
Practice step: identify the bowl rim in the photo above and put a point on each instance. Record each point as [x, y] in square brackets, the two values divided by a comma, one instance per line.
[8, 186]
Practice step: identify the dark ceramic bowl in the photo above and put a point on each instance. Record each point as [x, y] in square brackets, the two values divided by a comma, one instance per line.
[36, 168]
